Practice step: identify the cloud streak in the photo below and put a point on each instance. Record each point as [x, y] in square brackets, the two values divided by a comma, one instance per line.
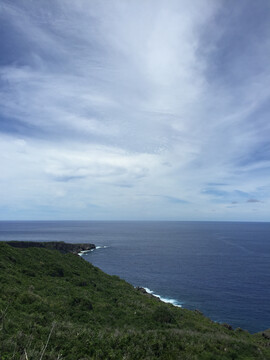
[103, 102]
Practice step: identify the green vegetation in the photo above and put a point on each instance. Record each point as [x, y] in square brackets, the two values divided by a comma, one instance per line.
[56, 306]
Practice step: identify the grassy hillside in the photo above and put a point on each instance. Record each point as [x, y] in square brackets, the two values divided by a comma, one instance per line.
[55, 306]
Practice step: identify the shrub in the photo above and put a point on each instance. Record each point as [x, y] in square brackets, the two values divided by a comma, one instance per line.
[82, 303]
[164, 315]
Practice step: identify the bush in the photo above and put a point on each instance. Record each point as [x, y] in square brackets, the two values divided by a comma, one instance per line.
[164, 315]
[82, 303]
[56, 271]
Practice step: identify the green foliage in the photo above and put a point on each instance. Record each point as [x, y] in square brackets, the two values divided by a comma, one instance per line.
[65, 308]
[164, 315]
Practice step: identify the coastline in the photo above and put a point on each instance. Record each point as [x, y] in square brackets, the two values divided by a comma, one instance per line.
[81, 250]
[173, 302]
[84, 252]
[207, 281]
[58, 296]
[142, 289]
[61, 246]
[84, 249]
[148, 292]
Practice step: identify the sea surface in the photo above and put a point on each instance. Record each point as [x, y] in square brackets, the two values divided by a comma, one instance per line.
[220, 268]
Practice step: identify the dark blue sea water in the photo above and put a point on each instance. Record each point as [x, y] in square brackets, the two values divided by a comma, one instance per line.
[220, 268]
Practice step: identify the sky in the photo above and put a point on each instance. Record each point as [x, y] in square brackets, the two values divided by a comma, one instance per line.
[135, 110]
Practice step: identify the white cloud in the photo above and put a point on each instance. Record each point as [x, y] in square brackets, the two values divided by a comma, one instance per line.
[113, 105]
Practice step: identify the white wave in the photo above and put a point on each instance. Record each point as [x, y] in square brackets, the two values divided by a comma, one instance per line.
[84, 252]
[81, 253]
[148, 290]
[170, 301]
[166, 300]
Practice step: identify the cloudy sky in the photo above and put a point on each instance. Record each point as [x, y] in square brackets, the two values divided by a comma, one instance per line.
[139, 109]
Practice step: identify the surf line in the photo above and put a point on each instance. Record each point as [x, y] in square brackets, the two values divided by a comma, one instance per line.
[163, 299]
[84, 252]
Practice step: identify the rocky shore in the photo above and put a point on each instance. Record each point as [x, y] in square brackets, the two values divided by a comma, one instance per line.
[143, 291]
[54, 245]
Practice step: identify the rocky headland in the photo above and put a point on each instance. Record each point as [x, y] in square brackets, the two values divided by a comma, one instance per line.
[53, 245]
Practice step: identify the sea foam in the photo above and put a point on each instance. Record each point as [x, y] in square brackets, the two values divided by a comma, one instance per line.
[84, 252]
[166, 300]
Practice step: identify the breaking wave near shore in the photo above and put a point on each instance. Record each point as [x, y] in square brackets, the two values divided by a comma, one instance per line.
[163, 299]
[84, 252]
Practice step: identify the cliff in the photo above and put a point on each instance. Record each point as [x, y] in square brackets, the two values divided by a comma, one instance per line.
[53, 245]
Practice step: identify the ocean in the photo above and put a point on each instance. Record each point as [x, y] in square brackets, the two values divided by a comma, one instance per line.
[219, 268]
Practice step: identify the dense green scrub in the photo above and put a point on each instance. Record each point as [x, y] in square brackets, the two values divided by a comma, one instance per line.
[55, 306]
